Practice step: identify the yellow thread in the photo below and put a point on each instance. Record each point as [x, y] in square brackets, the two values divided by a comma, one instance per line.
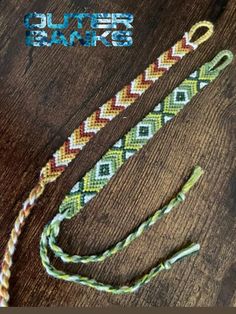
[204, 37]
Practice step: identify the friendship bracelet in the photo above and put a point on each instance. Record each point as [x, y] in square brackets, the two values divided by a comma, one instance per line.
[87, 129]
[124, 98]
[94, 180]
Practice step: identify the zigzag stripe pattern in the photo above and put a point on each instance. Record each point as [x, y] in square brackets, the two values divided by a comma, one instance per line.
[134, 140]
[95, 179]
[124, 98]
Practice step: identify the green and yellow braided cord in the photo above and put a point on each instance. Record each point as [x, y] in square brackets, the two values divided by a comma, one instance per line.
[53, 230]
[54, 227]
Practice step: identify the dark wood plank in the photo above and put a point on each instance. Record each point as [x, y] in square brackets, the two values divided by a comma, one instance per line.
[46, 93]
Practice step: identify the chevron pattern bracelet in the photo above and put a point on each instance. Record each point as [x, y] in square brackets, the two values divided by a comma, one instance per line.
[94, 180]
[87, 129]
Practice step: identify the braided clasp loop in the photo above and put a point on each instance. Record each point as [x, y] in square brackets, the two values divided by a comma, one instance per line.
[204, 37]
[220, 61]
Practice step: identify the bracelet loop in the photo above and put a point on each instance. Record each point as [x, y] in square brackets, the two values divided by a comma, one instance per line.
[205, 36]
[220, 61]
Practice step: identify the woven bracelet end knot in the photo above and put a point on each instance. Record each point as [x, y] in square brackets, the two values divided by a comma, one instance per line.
[181, 197]
[68, 213]
[182, 254]
[167, 265]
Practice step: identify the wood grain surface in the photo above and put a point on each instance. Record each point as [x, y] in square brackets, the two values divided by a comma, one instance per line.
[46, 92]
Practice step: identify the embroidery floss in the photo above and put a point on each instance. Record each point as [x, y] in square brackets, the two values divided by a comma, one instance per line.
[124, 98]
[94, 180]
[87, 129]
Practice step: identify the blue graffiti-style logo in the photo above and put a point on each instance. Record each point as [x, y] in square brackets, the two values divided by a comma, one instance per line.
[109, 29]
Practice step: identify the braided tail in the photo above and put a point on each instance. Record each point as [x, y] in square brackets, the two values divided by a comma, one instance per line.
[11, 245]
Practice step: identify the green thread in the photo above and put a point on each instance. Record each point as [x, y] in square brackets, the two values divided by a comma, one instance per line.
[94, 180]
[53, 229]
[194, 178]
[180, 255]
[223, 59]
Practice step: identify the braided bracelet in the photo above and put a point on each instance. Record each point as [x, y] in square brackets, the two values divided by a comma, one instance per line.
[94, 180]
[87, 129]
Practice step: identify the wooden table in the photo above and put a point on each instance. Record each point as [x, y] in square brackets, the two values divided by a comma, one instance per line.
[46, 92]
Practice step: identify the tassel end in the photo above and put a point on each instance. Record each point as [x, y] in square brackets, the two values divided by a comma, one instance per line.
[186, 252]
[197, 173]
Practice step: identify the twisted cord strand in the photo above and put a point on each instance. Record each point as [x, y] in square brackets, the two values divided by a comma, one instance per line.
[137, 284]
[53, 228]
[11, 245]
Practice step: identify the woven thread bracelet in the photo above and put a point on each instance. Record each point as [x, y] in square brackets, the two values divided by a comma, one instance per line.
[94, 180]
[87, 129]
